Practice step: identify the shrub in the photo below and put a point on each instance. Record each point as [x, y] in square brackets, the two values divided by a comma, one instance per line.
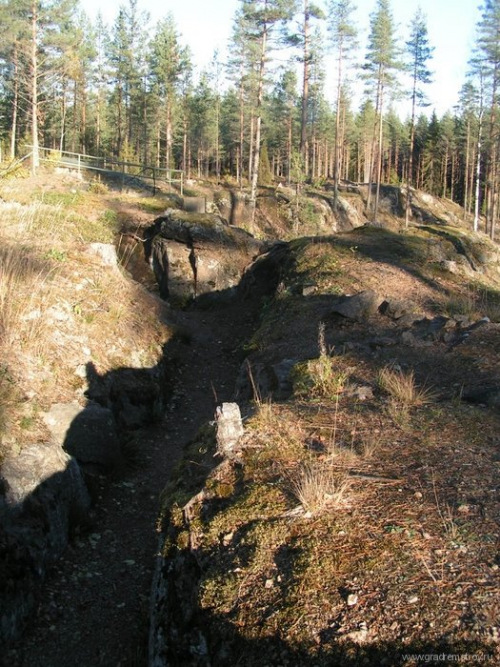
[320, 377]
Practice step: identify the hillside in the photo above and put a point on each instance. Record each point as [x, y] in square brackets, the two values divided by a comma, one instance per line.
[354, 517]
[357, 521]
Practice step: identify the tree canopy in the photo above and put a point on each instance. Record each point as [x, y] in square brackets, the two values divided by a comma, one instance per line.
[131, 92]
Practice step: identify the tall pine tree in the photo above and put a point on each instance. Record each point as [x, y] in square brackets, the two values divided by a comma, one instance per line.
[381, 66]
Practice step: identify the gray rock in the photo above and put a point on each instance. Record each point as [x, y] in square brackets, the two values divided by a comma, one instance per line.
[304, 289]
[361, 392]
[43, 498]
[265, 380]
[396, 308]
[229, 429]
[410, 339]
[89, 434]
[282, 371]
[462, 321]
[105, 251]
[197, 253]
[408, 320]
[450, 266]
[358, 307]
[484, 396]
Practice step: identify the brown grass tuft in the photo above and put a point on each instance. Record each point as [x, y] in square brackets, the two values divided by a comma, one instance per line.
[318, 486]
[402, 387]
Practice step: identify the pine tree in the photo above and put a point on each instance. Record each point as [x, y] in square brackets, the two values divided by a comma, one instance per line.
[302, 39]
[381, 66]
[258, 20]
[488, 55]
[284, 122]
[470, 117]
[343, 35]
[14, 35]
[169, 63]
[36, 35]
[419, 53]
[127, 59]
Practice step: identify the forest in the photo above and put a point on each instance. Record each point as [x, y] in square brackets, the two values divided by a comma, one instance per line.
[130, 91]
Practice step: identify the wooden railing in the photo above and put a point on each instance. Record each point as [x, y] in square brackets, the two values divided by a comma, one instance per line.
[126, 170]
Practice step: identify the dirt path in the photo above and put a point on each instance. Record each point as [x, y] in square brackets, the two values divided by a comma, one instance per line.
[94, 608]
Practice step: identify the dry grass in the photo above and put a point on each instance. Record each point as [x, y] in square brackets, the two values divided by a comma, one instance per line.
[24, 292]
[59, 305]
[404, 394]
[318, 486]
[476, 302]
[403, 388]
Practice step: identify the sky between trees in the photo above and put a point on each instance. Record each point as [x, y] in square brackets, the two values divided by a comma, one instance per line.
[205, 25]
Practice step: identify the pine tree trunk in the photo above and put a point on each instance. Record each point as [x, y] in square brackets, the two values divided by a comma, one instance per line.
[467, 167]
[452, 175]
[305, 87]
[15, 104]
[336, 165]
[444, 174]
[35, 163]
[63, 117]
[242, 136]
[379, 156]
[478, 172]
[168, 132]
[258, 123]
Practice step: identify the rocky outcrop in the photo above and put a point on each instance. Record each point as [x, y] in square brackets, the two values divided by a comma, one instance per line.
[43, 492]
[135, 396]
[42, 498]
[89, 434]
[193, 254]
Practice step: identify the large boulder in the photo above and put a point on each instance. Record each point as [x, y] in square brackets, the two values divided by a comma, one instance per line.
[358, 307]
[195, 253]
[42, 498]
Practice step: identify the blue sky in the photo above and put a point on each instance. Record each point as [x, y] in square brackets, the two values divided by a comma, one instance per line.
[205, 25]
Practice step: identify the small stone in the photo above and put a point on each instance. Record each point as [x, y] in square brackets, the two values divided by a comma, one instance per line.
[227, 539]
[413, 599]
[229, 429]
[269, 583]
[358, 636]
[352, 599]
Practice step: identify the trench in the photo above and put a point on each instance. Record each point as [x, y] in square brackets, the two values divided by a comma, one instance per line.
[94, 606]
